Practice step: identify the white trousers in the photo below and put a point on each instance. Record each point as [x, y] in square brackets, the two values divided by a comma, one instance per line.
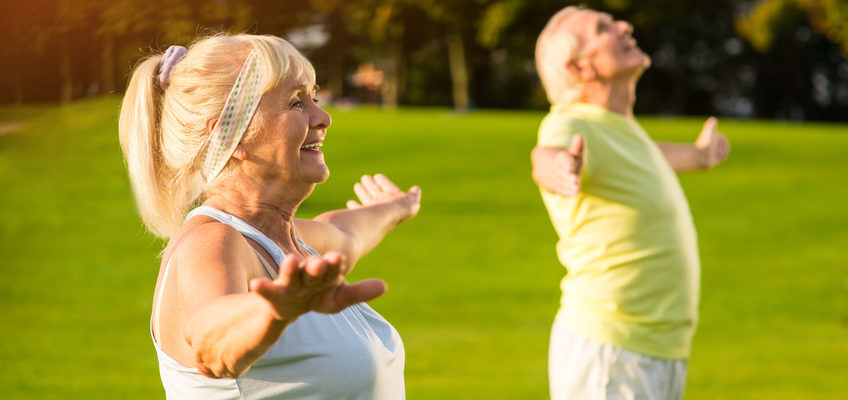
[581, 368]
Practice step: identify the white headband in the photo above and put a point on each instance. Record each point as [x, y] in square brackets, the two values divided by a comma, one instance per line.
[235, 117]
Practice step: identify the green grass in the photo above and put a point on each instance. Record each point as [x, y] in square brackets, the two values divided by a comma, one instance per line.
[473, 280]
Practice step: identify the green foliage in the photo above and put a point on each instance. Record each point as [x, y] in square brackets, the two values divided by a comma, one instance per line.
[473, 280]
[769, 17]
[472, 53]
[495, 19]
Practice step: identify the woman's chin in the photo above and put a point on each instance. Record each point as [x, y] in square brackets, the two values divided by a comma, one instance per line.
[318, 176]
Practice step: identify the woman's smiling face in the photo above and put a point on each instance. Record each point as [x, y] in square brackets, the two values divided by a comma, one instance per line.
[292, 133]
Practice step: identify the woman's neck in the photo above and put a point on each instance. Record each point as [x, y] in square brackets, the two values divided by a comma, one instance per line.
[270, 211]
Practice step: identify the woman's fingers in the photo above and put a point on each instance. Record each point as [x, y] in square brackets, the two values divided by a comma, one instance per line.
[377, 189]
[286, 274]
[385, 183]
[364, 196]
[312, 274]
[320, 273]
[371, 185]
[264, 287]
[348, 295]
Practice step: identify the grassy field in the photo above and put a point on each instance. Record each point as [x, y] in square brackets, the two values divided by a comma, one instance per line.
[473, 280]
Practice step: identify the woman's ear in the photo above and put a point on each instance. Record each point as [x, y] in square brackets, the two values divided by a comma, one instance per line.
[240, 153]
[211, 125]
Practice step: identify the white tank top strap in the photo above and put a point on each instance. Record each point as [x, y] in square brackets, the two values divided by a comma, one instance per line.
[243, 227]
[271, 270]
[158, 304]
[247, 230]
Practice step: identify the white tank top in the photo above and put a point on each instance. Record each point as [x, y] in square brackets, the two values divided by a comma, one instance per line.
[353, 354]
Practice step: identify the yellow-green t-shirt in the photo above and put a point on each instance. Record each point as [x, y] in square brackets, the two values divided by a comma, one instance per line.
[627, 239]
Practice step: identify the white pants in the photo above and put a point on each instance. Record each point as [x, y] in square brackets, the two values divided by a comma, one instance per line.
[586, 369]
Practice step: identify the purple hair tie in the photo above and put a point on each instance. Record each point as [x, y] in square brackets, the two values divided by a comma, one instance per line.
[172, 56]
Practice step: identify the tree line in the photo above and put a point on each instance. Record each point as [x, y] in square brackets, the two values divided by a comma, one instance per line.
[750, 58]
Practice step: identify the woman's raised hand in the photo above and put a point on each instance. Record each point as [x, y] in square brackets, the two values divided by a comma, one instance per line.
[380, 189]
[313, 283]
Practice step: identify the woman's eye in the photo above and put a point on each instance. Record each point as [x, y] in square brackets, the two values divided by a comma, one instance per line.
[315, 101]
[297, 104]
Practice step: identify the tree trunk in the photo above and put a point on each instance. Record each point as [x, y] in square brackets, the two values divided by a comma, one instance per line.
[66, 91]
[390, 89]
[400, 70]
[107, 58]
[458, 71]
[335, 57]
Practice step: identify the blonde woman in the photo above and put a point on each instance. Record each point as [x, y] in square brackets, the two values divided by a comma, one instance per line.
[222, 142]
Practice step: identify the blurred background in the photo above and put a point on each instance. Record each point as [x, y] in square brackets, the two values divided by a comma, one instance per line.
[441, 94]
[783, 59]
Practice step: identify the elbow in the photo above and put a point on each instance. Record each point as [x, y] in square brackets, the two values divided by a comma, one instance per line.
[214, 363]
[218, 368]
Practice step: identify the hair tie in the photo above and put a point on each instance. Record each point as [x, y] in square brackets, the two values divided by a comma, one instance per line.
[171, 57]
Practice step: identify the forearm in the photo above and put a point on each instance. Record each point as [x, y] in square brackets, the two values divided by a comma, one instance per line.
[228, 334]
[365, 226]
[683, 157]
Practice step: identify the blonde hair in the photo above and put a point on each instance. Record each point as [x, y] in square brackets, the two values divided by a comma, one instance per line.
[554, 49]
[163, 133]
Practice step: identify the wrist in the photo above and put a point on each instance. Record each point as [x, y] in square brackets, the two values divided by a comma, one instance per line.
[400, 212]
[702, 155]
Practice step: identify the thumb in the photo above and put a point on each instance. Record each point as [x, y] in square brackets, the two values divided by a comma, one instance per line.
[576, 148]
[415, 192]
[708, 131]
[710, 124]
[351, 204]
[263, 287]
[348, 295]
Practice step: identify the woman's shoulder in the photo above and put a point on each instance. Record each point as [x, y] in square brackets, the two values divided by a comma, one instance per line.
[204, 241]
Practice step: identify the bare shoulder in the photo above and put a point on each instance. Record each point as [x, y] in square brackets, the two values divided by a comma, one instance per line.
[207, 251]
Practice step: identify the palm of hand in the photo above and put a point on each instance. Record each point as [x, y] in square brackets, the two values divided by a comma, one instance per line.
[380, 189]
[313, 284]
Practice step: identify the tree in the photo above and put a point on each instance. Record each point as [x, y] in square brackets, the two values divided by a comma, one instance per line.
[454, 17]
[802, 47]
[769, 17]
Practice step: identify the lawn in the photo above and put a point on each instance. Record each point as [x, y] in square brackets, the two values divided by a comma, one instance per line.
[473, 280]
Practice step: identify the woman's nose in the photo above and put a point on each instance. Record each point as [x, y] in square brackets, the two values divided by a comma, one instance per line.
[320, 118]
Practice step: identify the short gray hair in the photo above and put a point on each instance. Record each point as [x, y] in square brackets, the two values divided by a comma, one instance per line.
[553, 50]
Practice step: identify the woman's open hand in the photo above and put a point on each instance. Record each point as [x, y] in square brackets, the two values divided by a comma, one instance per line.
[313, 283]
[380, 189]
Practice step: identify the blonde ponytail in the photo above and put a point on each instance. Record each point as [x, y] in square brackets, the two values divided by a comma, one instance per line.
[140, 139]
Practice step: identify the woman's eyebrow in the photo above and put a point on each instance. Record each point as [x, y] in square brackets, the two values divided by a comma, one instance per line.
[304, 88]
